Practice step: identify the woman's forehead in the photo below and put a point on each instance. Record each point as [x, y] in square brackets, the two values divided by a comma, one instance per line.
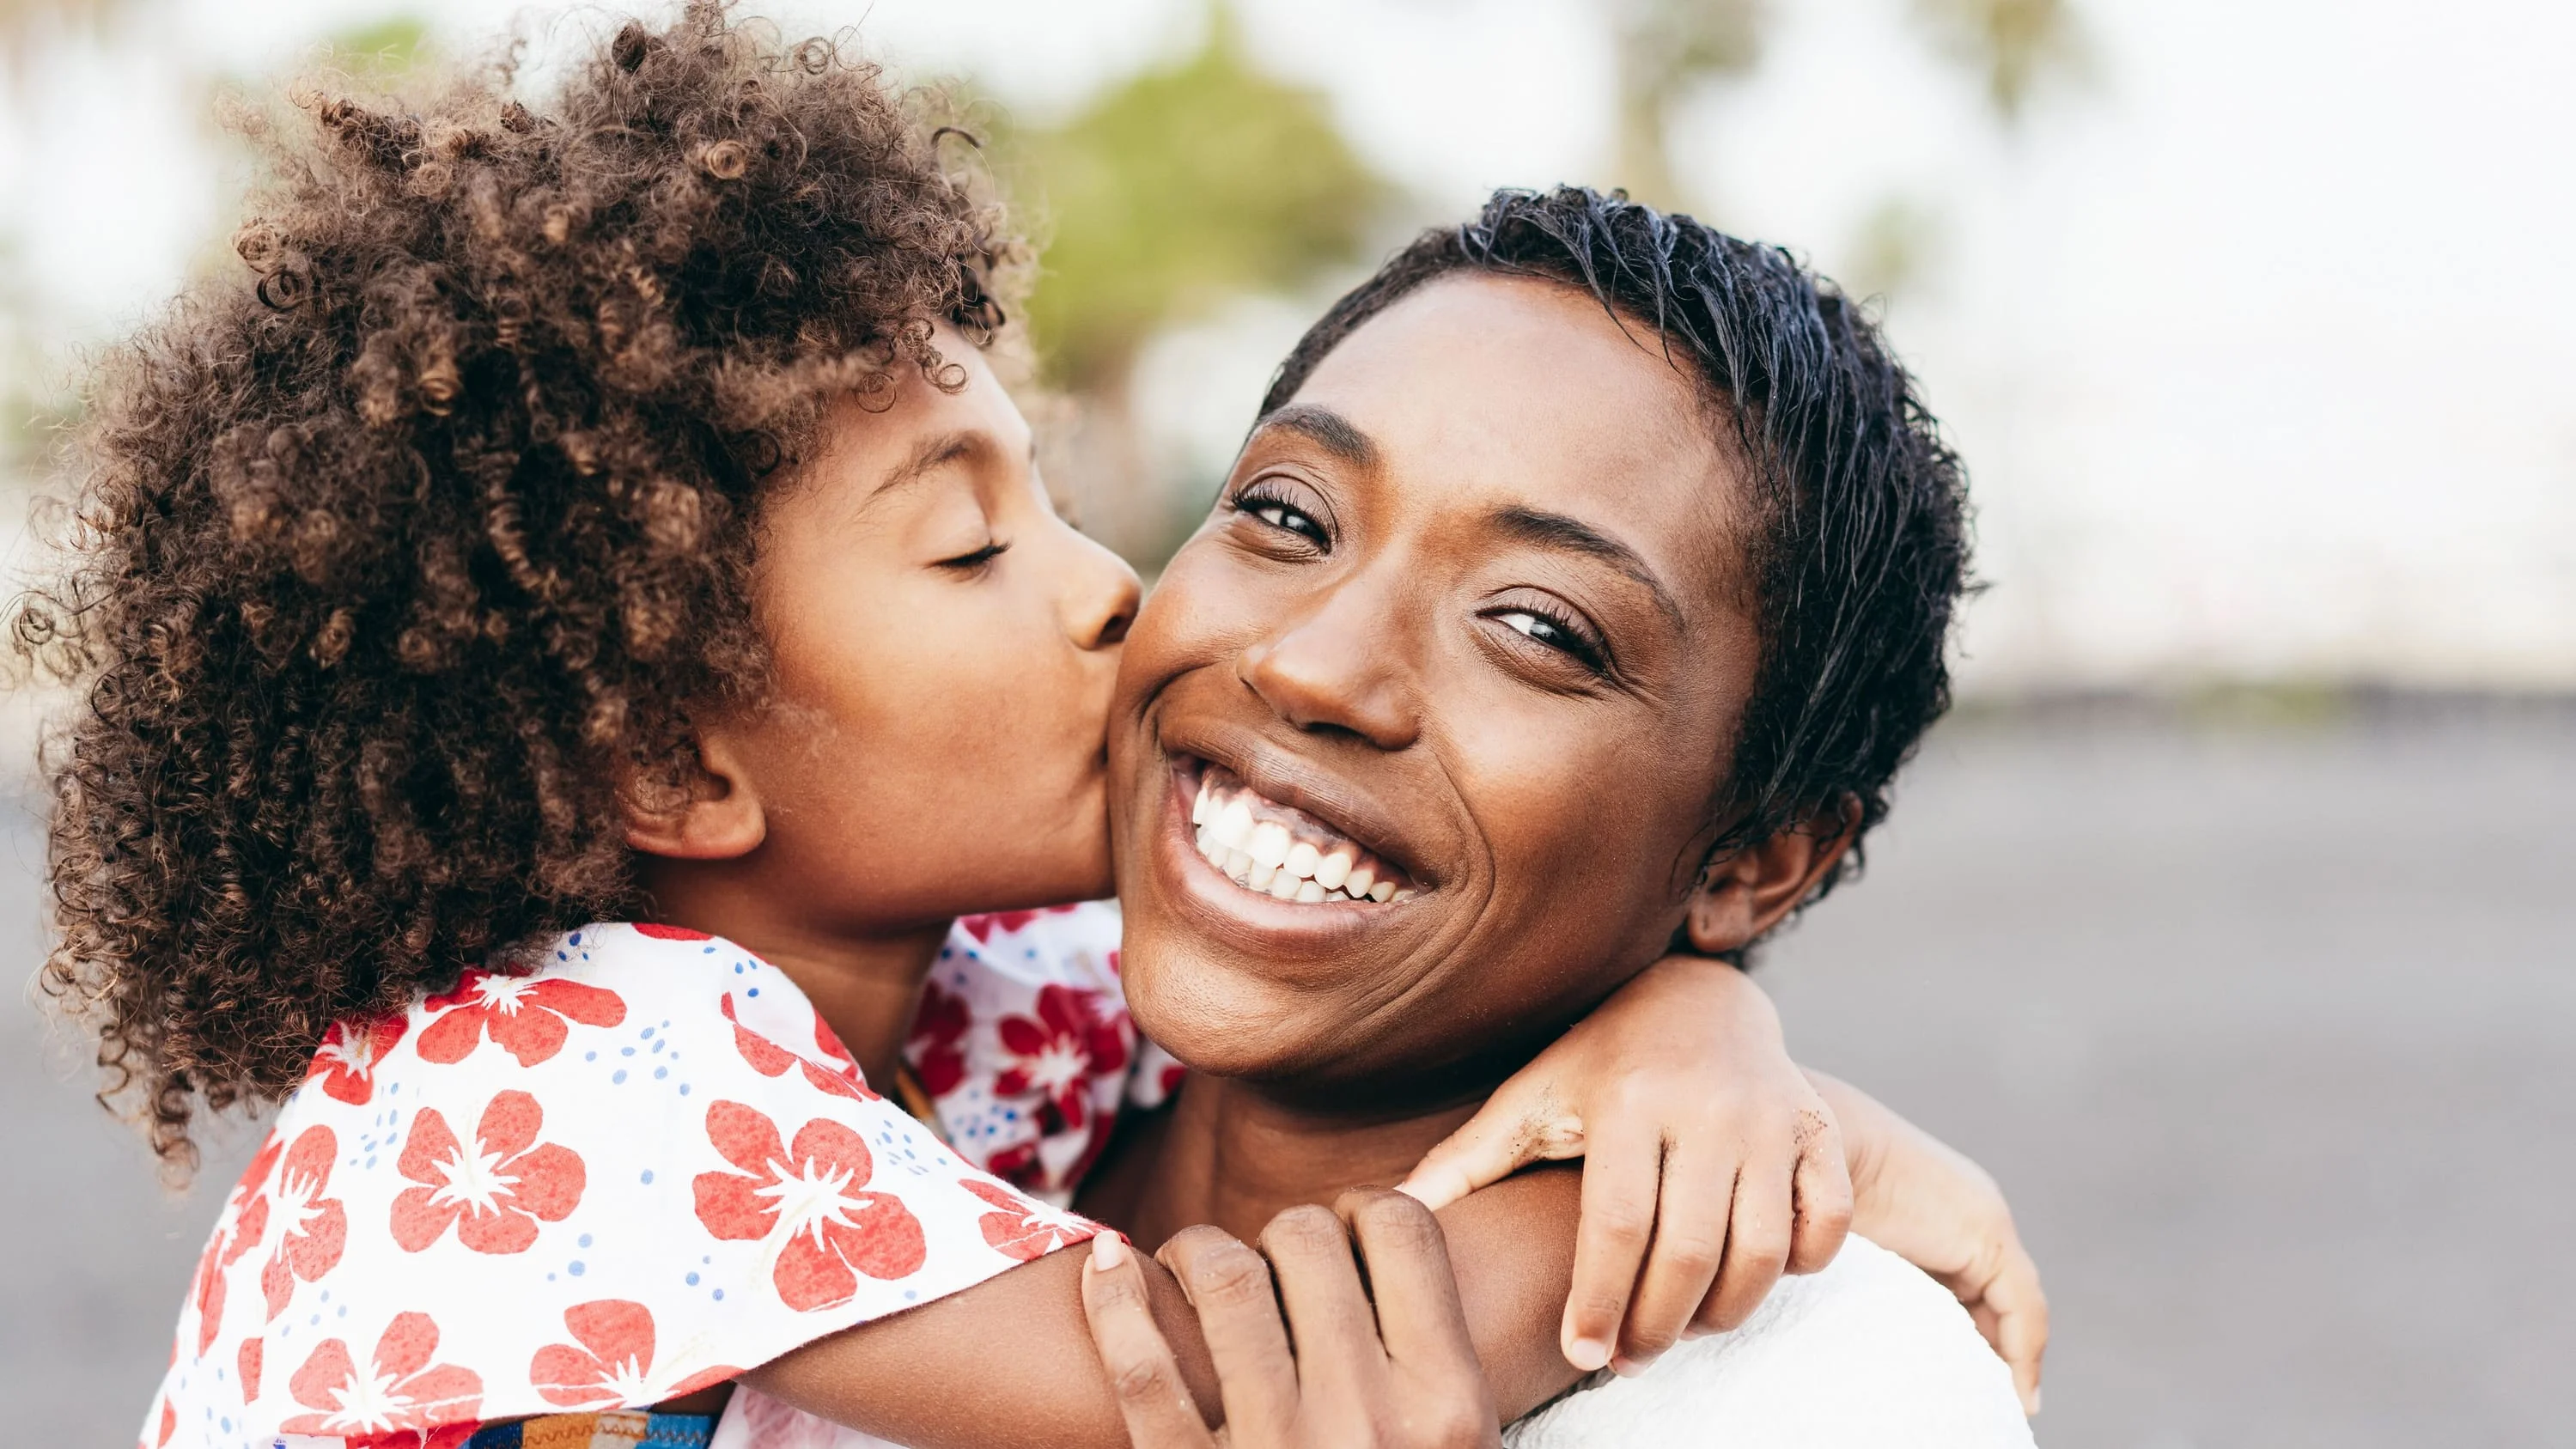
[1480, 394]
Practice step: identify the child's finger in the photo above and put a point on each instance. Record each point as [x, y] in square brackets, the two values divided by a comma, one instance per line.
[1517, 1126]
[1688, 1243]
[1143, 1375]
[1620, 1176]
[1238, 1310]
[1824, 1194]
[2020, 1332]
[1757, 1244]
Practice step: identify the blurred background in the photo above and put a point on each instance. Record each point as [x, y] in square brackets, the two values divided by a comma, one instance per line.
[2227, 921]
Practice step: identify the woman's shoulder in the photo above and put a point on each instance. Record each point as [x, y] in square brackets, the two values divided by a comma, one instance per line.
[1867, 1352]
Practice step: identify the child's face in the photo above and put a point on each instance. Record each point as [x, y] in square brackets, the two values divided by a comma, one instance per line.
[944, 651]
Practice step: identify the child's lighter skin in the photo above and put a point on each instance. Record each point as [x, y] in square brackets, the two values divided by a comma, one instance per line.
[933, 748]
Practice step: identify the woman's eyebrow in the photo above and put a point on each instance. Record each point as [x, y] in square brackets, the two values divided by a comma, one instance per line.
[1336, 434]
[1573, 535]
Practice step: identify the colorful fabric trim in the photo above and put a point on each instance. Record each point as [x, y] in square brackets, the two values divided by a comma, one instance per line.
[620, 1429]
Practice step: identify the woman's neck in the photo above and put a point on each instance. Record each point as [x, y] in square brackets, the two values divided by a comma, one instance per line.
[1233, 1157]
[865, 986]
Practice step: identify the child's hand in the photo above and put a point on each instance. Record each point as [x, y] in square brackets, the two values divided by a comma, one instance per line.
[1921, 1200]
[1387, 1365]
[1699, 1137]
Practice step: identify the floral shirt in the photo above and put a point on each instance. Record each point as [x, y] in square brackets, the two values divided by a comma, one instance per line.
[1024, 1047]
[1025, 1050]
[619, 1170]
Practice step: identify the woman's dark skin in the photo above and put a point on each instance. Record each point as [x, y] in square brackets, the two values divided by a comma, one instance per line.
[1473, 594]
[1474, 591]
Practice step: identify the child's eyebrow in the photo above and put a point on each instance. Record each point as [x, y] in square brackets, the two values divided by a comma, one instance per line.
[927, 457]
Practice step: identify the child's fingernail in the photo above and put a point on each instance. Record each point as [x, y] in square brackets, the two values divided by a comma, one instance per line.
[1628, 1368]
[1587, 1354]
[1108, 1250]
[2034, 1404]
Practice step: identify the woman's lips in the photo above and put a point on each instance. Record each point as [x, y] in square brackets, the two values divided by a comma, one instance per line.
[1282, 852]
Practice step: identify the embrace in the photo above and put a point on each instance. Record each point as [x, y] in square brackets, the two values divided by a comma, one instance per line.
[589, 714]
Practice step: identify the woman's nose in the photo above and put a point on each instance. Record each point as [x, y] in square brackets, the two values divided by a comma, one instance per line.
[1336, 669]
[1099, 611]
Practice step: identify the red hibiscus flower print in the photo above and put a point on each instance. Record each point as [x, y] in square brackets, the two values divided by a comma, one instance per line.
[1019, 1228]
[401, 1388]
[771, 1060]
[495, 1191]
[346, 1064]
[448, 1436]
[247, 1361]
[937, 1046]
[670, 933]
[226, 1247]
[810, 1195]
[525, 1016]
[612, 1366]
[316, 1226]
[1017, 1163]
[1058, 1055]
[983, 926]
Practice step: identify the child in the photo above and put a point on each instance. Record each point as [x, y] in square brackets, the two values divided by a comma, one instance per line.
[605, 515]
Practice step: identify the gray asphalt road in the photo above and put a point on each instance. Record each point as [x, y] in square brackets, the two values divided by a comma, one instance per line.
[2270, 1033]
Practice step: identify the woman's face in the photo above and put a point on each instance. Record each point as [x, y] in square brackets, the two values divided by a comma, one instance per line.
[1467, 633]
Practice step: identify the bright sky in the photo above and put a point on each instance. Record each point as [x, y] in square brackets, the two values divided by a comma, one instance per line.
[2260, 345]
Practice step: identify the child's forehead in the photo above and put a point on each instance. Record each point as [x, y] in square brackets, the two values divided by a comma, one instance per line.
[875, 450]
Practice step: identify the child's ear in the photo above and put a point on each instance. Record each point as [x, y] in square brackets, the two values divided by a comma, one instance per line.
[715, 816]
[1745, 894]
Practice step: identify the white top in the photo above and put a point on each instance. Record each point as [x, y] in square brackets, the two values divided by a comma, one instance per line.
[1868, 1353]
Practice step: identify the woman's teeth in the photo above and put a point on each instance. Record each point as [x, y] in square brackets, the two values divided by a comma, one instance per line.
[1283, 853]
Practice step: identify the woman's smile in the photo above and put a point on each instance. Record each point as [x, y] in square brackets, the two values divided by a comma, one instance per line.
[1278, 850]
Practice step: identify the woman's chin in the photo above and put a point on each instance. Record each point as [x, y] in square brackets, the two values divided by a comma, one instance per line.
[1212, 1016]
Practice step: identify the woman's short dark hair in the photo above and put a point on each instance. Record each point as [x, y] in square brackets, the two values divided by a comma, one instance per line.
[1859, 555]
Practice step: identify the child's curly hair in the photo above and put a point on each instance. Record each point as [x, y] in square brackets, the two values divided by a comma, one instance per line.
[400, 553]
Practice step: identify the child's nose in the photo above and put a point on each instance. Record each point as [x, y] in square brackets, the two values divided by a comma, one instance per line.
[1103, 608]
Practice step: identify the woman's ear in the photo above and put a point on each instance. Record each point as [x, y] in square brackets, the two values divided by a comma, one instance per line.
[1743, 895]
[716, 815]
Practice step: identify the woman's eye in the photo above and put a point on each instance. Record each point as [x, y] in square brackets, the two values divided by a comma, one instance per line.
[1285, 516]
[969, 562]
[1554, 633]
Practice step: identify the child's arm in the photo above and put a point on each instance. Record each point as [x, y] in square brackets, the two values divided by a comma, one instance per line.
[1715, 1164]
[1011, 1360]
[1921, 1200]
[1710, 1161]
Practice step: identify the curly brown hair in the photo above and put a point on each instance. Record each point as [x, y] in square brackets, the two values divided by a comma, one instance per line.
[398, 556]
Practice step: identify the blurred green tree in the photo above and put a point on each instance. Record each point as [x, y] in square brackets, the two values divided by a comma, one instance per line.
[1185, 185]
[2013, 44]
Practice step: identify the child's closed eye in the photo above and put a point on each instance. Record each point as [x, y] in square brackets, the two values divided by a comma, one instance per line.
[974, 560]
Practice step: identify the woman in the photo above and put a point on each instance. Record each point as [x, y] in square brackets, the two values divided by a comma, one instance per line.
[1577, 514]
